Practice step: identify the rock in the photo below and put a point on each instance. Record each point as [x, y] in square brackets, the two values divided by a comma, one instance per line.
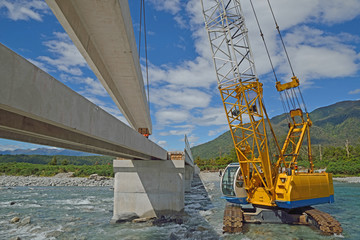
[201, 228]
[64, 175]
[168, 219]
[173, 236]
[15, 238]
[25, 221]
[15, 220]
[93, 176]
[141, 220]
[54, 234]
[125, 217]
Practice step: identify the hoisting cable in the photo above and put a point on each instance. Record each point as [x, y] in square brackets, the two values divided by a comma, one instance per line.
[287, 55]
[282, 41]
[139, 43]
[269, 57]
[262, 36]
[143, 19]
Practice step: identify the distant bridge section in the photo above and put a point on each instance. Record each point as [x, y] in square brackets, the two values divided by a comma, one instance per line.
[103, 33]
[36, 108]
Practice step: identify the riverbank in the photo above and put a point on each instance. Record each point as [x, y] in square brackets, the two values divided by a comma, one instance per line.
[57, 180]
[97, 181]
[348, 179]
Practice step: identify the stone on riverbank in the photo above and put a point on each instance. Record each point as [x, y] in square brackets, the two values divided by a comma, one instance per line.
[15, 220]
[15, 181]
[25, 221]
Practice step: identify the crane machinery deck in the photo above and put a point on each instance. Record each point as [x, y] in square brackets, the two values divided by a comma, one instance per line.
[276, 190]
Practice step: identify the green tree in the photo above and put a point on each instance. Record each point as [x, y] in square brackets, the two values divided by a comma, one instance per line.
[65, 162]
[53, 161]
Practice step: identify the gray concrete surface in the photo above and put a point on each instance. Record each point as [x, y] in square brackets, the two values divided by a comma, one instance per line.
[103, 33]
[189, 175]
[148, 188]
[35, 107]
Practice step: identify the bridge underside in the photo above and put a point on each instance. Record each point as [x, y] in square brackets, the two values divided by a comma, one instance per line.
[35, 107]
[103, 33]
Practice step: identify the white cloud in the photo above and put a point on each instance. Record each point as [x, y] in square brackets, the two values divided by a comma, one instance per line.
[356, 91]
[186, 98]
[40, 65]
[197, 73]
[66, 57]
[25, 10]
[172, 6]
[212, 116]
[192, 139]
[93, 87]
[177, 132]
[9, 147]
[218, 130]
[162, 143]
[170, 116]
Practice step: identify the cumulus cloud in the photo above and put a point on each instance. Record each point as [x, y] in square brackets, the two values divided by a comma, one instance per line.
[172, 6]
[162, 143]
[25, 10]
[65, 56]
[93, 87]
[170, 116]
[187, 98]
[356, 91]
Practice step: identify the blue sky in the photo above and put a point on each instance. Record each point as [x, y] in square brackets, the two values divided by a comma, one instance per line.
[322, 36]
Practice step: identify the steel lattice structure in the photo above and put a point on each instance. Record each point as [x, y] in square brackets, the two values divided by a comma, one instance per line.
[240, 90]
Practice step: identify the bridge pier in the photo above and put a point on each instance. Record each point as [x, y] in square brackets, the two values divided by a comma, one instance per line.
[189, 175]
[148, 188]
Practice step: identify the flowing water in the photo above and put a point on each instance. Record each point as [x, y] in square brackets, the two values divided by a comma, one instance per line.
[85, 212]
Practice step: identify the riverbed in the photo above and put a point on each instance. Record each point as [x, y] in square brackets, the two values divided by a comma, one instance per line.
[83, 212]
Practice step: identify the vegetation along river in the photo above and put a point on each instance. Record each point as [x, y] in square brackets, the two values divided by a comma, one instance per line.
[84, 213]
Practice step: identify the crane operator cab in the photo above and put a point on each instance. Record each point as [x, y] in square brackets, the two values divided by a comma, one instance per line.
[232, 185]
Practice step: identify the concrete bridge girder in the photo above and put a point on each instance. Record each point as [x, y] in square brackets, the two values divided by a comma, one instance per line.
[35, 107]
[103, 33]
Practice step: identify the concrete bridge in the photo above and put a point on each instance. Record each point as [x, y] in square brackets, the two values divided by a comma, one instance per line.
[36, 108]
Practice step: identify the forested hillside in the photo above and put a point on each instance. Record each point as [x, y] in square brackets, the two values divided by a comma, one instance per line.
[333, 125]
[46, 159]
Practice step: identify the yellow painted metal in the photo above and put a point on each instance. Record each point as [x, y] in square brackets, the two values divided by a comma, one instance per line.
[284, 86]
[244, 109]
[303, 186]
[298, 129]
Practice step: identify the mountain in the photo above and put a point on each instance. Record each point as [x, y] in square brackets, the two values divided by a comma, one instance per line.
[45, 151]
[332, 125]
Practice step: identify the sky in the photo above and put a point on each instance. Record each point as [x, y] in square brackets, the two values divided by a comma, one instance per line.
[322, 38]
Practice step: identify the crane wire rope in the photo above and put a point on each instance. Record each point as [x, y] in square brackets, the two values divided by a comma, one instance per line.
[269, 57]
[287, 55]
[142, 13]
[291, 97]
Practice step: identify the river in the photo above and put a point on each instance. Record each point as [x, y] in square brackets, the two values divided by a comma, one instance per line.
[85, 212]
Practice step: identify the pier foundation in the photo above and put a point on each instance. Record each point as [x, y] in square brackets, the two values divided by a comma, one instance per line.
[148, 188]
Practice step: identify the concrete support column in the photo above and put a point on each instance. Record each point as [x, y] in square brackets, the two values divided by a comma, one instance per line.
[189, 175]
[148, 188]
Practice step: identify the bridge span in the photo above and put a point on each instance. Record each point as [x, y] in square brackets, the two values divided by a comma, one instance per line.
[104, 35]
[36, 108]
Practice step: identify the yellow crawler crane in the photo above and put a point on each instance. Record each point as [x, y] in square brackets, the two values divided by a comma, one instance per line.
[278, 192]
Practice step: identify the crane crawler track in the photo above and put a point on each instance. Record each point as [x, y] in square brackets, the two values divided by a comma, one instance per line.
[324, 221]
[233, 219]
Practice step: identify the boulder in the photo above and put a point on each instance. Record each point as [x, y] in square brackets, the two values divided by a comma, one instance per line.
[15, 220]
[25, 221]
[124, 217]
